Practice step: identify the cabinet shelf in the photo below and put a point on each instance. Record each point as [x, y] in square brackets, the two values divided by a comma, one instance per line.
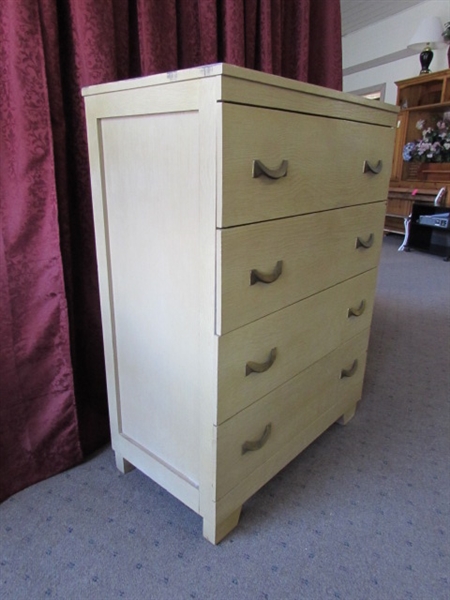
[424, 90]
[430, 107]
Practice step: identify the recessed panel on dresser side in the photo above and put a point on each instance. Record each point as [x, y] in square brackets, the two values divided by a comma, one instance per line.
[152, 299]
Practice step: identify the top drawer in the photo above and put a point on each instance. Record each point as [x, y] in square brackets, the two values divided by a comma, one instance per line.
[325, 164]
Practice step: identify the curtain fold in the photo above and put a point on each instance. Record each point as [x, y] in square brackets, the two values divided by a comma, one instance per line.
[53, 408]
[38, 422]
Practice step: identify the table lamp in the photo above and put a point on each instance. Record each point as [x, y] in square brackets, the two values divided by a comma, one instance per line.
[427, 36]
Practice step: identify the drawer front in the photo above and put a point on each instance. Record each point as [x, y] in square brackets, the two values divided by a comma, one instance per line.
[288, 419]
[325, 164]
[313, 252]
[257, 358]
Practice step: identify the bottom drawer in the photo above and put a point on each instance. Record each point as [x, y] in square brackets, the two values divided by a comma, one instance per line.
[260, 440]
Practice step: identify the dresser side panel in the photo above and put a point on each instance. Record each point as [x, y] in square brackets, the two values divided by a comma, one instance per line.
[152, 239]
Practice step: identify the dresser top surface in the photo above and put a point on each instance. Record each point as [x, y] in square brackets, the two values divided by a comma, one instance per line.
[224, 70]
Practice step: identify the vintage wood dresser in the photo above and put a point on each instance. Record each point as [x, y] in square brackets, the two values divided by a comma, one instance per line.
[239, 220]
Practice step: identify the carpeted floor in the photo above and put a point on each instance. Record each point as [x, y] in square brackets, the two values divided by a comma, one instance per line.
[362, 514]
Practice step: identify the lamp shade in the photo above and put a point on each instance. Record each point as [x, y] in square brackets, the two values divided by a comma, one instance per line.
[428, 33]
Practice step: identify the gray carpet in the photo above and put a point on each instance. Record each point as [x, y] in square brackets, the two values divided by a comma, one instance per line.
[362, 514]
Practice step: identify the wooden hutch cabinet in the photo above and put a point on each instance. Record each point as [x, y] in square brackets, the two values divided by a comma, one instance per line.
[423, 98]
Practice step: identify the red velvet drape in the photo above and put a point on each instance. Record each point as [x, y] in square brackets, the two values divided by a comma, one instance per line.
[52, 385]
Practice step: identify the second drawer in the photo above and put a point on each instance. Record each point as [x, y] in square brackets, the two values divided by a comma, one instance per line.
[302, 255]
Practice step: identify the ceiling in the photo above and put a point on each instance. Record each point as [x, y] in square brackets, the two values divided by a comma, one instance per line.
[357, 14]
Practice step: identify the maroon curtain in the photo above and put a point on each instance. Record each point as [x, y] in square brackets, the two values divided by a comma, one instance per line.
[53, 407]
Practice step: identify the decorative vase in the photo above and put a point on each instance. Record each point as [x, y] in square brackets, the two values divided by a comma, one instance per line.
[426, 56]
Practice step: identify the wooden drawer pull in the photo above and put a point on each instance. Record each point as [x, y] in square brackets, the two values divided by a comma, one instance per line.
[376, 170]
[260, 168]
[254, 367]
[360, 243]
[258, 444]
[357, 312]
[256, 276]
[350, 372]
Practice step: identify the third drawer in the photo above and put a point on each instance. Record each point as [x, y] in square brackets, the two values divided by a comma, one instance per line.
[262, 355]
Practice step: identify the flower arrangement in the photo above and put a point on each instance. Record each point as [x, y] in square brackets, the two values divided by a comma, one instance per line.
[433, 146]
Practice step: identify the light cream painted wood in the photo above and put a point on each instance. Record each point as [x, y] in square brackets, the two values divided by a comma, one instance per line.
[313, 100]
[167, 161]
[310, 185]
[208, 347]
[156, 350]
[347, 416]
[248, 486]
[162, 473]
[122, 464]
[318, 250]
[214, 531]
[288, 409]
[300, 339]
[148, 100]
[255, 88]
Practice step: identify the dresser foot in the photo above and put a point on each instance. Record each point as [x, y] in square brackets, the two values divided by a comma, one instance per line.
[347, 416]
[215, 532]
[123, 465]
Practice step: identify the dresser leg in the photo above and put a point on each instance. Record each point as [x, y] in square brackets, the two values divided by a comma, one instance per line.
[215, 532]
[347, 416]
[122, 464]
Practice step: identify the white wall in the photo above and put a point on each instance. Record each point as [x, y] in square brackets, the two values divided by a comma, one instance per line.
[378, 55]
